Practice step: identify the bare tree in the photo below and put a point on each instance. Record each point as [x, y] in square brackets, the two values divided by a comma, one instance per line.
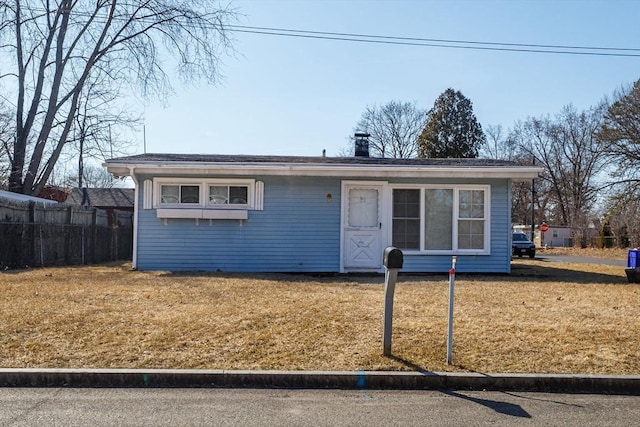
[7, 138]
[567, 148]
[393, 128]
[97, 126]
[493, 148]
[95, 176]
[503, 144]
[499, 144]
[620, 134]
[529, 200]
[50, 51]
[623, 212]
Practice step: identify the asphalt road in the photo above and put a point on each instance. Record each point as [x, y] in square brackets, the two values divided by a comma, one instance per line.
[246, 407]
[581, 260]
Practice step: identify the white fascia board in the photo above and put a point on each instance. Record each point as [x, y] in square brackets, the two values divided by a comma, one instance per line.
[309, 169]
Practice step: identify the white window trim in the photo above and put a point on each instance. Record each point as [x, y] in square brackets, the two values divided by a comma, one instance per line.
[204, 193]
[456, 217]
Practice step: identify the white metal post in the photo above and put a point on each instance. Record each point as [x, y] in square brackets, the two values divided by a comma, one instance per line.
[452, 279]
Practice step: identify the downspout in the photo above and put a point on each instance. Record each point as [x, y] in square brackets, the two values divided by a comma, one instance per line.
[136, 210]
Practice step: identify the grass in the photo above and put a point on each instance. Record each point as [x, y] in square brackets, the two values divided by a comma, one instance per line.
[607, 253]
[544, 317]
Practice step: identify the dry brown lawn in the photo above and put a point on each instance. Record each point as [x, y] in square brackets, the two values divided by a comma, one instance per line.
[544, 318]
[607, 253]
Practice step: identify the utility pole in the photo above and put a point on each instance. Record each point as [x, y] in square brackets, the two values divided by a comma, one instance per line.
[533, 206]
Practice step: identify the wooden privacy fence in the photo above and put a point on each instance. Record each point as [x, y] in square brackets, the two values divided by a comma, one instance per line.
[34, 234]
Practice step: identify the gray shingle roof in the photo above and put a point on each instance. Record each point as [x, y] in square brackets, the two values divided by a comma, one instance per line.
[218, 158]
[102, 197]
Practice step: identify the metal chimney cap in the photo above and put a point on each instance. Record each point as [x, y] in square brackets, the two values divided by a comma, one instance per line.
[361, 144]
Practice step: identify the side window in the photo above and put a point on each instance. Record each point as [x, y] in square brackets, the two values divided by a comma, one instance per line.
[180, 194]
[170, 194]
[190, 194]
[228, 194]
[213, 193]
[471, 219]
[406, 219]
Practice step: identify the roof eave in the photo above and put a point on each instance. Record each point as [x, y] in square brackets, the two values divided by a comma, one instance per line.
[311, 169]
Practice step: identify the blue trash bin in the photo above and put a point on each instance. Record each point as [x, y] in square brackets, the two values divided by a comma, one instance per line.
[633, 266]
[632, 258]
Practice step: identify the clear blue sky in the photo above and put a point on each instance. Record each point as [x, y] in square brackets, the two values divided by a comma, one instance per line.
[296, 96]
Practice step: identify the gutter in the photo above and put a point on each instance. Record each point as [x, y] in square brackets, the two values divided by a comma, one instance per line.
[306, 169]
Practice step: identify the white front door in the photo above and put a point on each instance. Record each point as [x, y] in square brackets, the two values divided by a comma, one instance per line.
[362, 226]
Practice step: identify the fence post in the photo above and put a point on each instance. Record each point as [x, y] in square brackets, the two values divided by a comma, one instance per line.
[41, 235]
[67, 235]
[114, 241]
[94, 228]
[31, 233]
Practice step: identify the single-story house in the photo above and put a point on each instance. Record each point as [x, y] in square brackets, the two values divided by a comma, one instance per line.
[245, 213]
[109, 199]
[558, 236]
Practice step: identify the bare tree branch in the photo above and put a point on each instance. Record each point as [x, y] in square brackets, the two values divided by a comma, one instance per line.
[572, 157]
[393, 128]
[57, 47]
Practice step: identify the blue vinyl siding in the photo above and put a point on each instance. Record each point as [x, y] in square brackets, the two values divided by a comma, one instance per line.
[298, 231]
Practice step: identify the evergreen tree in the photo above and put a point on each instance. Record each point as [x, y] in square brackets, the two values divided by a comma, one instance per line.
[452, 130]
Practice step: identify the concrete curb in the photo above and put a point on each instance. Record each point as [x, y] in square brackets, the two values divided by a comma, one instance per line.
[350, 380]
